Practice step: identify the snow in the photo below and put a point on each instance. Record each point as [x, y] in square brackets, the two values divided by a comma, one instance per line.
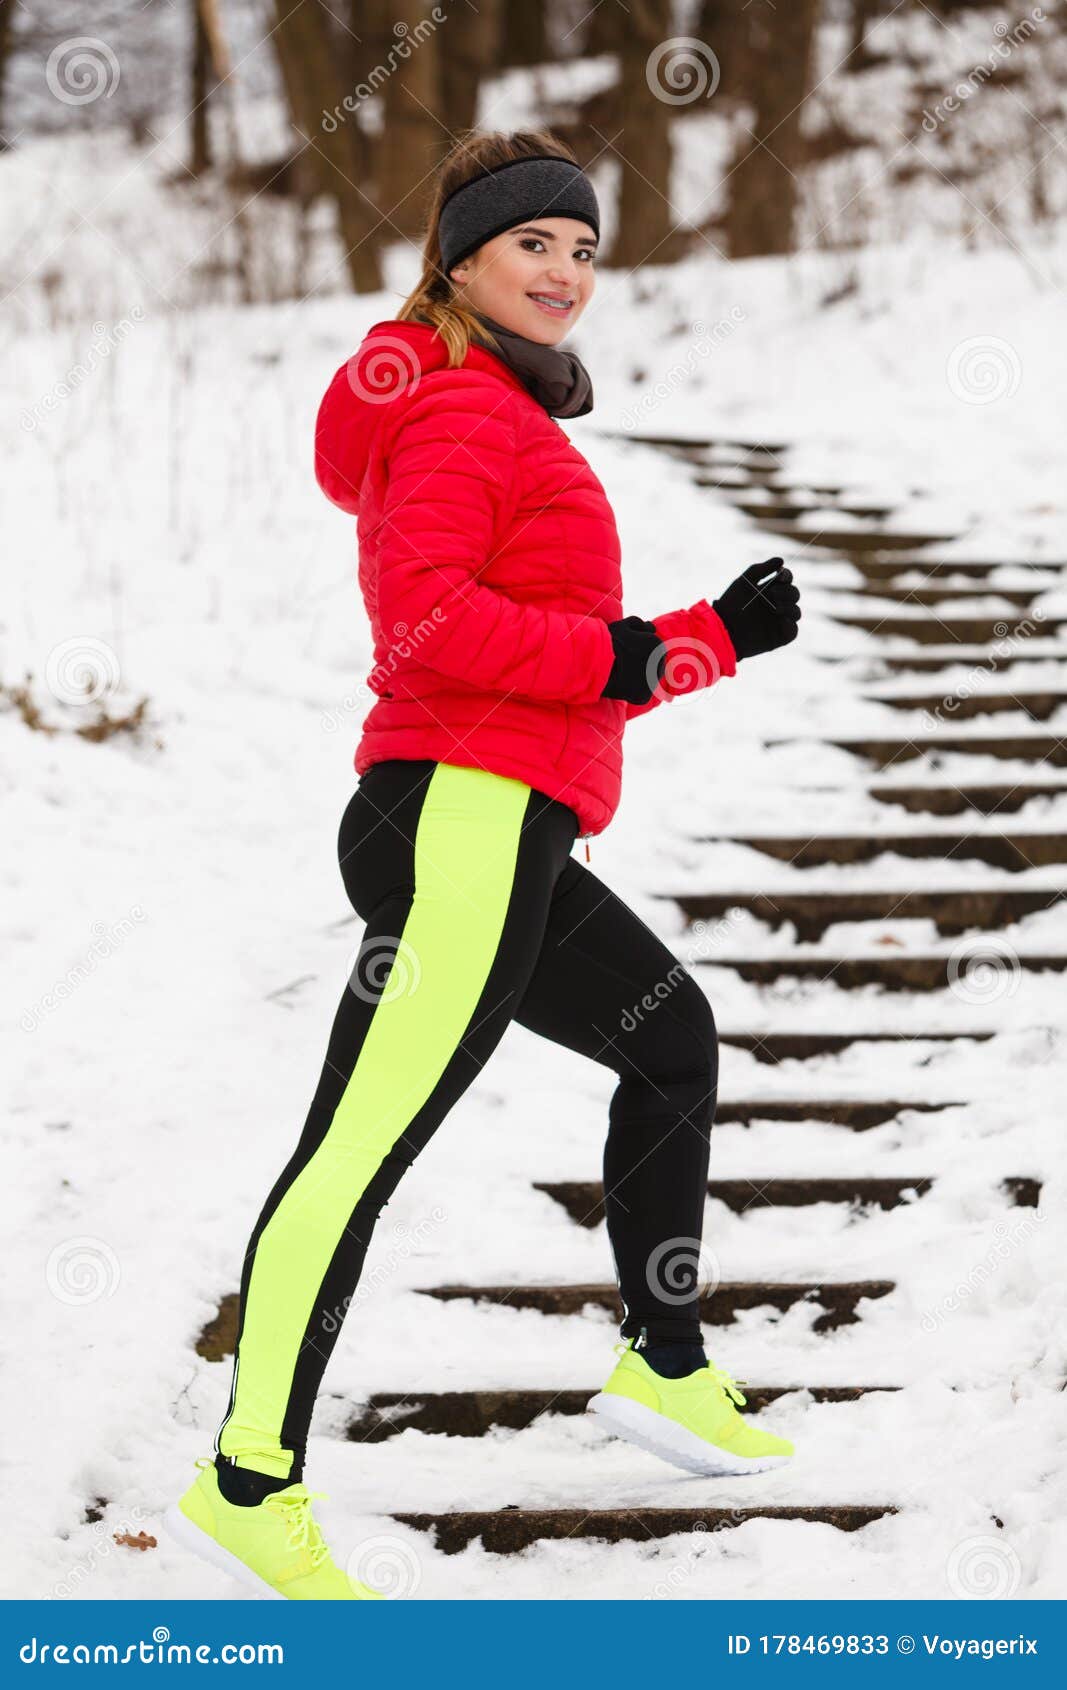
[177, 933]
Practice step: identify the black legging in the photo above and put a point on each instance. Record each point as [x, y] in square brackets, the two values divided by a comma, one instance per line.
[476, 915]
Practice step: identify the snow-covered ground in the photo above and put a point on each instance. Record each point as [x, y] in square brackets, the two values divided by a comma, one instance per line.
[177, 934]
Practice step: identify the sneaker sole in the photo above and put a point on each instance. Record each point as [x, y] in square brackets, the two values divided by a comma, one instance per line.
[642, 1426]
[190, 1536]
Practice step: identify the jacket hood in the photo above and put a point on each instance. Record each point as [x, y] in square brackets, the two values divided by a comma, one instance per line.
[392, 359]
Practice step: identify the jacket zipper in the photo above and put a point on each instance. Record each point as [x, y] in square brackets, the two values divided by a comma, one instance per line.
[586, 837]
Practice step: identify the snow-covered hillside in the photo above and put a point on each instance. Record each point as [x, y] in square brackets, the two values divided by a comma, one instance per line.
[177, 935]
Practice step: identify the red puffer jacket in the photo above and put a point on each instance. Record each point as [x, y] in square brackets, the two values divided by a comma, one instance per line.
[489, 568]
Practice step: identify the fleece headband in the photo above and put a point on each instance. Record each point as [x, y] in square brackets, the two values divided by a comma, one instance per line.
[488, 204]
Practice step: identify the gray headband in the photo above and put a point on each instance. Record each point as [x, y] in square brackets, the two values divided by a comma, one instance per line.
[498, 199]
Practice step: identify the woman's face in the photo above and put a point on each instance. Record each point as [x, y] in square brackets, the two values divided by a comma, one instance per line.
[510, 277]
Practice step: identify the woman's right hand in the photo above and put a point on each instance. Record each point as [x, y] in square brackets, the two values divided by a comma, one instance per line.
[761, 609]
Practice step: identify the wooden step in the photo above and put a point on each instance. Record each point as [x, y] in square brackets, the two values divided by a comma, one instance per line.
[801, 1047]
[885, 568]
[773, 509]
[781, 508]
[755, 473]
[951, 909]
[1039, 706]
[935, 596]
[988, 800]
[751, 448]
[838, 1299]
[893, 971]
[583, 1200]
[1033, 748]
[855, 541]
[978, 659]
[510, 1530]
[928, 630]
[858, 1114]
[471, 1414]
[1012, 852]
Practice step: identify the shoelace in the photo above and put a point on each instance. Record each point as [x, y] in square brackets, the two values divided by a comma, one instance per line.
[730, 1386]
[294, 1506]
[718, 1374]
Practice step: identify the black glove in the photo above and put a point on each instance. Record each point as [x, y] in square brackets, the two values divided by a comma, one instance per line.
[761, 609]
[638, 664]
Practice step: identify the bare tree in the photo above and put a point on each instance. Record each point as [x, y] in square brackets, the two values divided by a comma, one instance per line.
[470, 47]
[722, 26]
[763, 179]
[525, 33]
[414, 134]
[644, 146]
[7, 15]
[201, 80]
[309, 61]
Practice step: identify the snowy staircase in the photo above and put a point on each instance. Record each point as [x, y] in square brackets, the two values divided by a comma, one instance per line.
[899, 594]
[927, 614]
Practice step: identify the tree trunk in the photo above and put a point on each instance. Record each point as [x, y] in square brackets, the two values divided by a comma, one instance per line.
[308, 62]
[644, 145]
[415, 139]
[761, 216]
[471, 48]
[525, 33]
[7, 12]
[201, 79]
[723, 26]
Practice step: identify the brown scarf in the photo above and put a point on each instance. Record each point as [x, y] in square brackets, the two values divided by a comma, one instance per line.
[558, 380]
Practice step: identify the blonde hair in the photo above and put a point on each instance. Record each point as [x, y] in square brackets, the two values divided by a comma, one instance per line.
[434, 297]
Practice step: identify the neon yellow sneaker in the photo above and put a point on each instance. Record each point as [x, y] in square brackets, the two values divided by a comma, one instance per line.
[276, 1547]
[691, 1422]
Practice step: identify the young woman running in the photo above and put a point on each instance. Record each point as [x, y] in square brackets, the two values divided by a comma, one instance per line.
[504, 674]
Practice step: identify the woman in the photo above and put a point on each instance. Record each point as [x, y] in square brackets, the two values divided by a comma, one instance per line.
[504, 673]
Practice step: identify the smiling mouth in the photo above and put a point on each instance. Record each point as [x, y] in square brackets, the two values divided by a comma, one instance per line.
[560, 306]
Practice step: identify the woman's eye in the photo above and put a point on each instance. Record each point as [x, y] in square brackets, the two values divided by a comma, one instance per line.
[529, 242]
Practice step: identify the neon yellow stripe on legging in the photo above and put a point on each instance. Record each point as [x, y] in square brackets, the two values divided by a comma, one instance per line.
[466, 846]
